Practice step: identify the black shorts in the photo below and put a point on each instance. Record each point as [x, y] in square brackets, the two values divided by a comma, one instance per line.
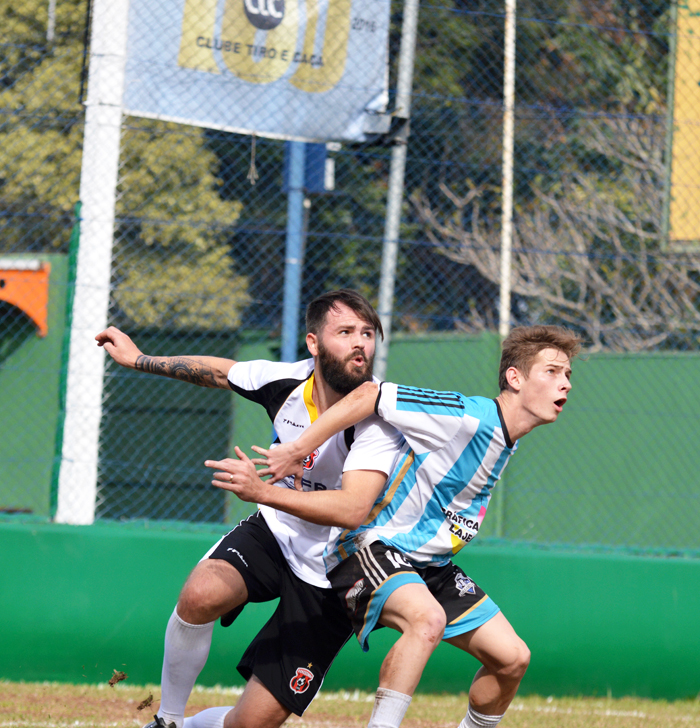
[366, 579]
[293, 652]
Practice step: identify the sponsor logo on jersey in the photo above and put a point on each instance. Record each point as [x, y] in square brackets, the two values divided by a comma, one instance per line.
[306, 484]
[238, 553]
[463, 528]
[465, 585]
[293, 424]
[300, 682]
[310, 460]
[353, 595]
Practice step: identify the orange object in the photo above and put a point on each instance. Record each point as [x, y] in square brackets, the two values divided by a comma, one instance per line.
[25, 284]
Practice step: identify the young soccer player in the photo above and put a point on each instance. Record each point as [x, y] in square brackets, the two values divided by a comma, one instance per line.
[395, 567]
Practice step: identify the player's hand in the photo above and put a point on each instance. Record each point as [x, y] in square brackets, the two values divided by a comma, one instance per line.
[238, 476]
[119, 346]
[279, 462]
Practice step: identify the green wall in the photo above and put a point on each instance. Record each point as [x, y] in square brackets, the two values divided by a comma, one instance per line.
[620, 465]
[79, 602]
[30, 372]
[616, 470]
[156, 432]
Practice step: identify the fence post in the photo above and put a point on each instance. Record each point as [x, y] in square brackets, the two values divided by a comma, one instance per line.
[390, 246]
[507, 210]
[77, 483]
[507, 192]
[293, 254]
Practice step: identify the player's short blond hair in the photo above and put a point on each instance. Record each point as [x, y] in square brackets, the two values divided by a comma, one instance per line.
[524, 343]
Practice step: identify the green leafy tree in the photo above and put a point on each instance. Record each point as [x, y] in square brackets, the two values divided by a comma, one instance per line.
[42, 125]
[172, 257]
[171, 265]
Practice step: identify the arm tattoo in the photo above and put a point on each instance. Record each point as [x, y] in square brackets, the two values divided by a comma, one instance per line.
[178, 367]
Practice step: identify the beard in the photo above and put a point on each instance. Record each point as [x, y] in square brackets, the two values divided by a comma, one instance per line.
[336, 374]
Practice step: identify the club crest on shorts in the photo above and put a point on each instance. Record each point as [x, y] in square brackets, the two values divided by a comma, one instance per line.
[353, 595]
[300, 682]
[465, 585]
[310, 460]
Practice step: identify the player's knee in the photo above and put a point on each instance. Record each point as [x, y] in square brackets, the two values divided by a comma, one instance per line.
[208, 593]
[196, 604]
[429, 624]
[515, 668]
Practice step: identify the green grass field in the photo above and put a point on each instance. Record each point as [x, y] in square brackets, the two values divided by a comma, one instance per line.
[54, 705]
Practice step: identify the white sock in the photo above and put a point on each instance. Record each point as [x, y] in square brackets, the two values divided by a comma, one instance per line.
[478, 720]
[186, 651]
[389, 709]
[209, 718]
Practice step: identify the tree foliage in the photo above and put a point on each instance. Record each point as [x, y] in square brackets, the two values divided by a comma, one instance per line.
[589, 181]
[41, 125]
[171, 263]
[587, 251]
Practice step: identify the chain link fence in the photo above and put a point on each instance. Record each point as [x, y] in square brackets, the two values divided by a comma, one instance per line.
[606, 240]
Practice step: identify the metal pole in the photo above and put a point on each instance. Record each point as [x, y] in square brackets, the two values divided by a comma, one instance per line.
[390, 247]
[507, 211]
[51, 24]
[77, 482]
[507, 203]
[293, 261]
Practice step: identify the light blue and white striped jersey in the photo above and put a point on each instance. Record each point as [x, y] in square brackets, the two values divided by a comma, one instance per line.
[435, 499]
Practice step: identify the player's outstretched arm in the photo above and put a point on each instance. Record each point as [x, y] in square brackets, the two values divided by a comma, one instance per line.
[205, 371]
[346, 508]
[286, 459]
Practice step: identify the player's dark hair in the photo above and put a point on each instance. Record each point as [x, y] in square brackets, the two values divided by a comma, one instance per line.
[318, 308]
[524, 343]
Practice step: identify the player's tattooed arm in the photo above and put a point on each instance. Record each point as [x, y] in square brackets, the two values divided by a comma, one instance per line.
[195, 370]
[205, 371]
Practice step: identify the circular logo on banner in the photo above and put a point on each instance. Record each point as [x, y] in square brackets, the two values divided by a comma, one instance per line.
[264, 14]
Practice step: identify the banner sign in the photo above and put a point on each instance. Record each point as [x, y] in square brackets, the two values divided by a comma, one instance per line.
[684, 213]
[311, 70]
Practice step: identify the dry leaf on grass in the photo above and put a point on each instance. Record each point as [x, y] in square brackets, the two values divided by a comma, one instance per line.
[117, 677]
[145, 703]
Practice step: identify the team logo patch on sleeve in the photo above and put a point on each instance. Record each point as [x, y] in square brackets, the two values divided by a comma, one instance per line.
[310, 460]
[465, 585]
[300, 682]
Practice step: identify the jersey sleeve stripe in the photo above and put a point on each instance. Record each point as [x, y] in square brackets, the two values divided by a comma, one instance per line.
[379, 507]
[414, 394]
[271, 396]
[420, 392]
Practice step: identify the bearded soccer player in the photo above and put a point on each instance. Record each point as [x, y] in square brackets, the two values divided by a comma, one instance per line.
[272, 554]
[395, 568]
